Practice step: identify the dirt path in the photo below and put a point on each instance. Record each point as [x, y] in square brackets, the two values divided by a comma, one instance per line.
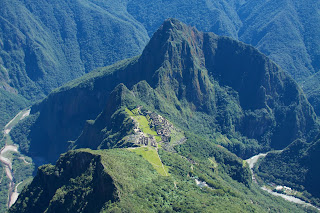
[162, 163]
[252, 161]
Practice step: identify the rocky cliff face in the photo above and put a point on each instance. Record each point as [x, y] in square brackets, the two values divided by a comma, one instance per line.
[186, 74]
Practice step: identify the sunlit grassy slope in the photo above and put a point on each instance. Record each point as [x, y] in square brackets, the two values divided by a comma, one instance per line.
[151, 155]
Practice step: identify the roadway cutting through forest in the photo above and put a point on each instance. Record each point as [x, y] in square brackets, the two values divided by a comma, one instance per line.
[252, 161]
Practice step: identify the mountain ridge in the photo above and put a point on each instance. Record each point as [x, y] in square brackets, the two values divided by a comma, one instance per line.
[38, 65]
[197, 83]
[177, 75]
[130, 183]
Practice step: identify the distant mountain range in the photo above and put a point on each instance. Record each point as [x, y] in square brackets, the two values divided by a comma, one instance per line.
[44, 44]
[42, 48]
[222, 94]
[218, 91]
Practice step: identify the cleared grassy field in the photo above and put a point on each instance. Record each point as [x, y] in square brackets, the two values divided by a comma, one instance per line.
[151, 155]
[158, 138]
[129, 112]
[143, 123]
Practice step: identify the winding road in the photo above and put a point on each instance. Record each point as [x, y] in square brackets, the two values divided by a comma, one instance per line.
[252, 161]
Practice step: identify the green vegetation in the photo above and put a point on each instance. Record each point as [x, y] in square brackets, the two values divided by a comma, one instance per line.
[57, 55]
[198, 149]
[4, 187]
[79, 184]
[246, 119]
[151, 155]
[22, 170]
[134, 186]
[41, 49]
[275, 33]
[144, 125]
[20, 133]
[130, 113]
[53, 50]
[10, 105]
[206, 100]
[24, 184]
[265, 110]
[296, 167]
[8, 140]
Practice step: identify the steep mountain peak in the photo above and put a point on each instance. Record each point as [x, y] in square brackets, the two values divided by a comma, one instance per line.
[187, 75]
[172, 27]
[170, 43]
[174, 59]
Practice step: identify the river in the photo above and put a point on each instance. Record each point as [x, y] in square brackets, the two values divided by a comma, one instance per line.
[252, 161]
[13, 192]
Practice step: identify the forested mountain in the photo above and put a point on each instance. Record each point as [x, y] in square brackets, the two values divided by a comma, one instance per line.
[42, 47]
[186, 75]
[120, 180]
[218, 91]
[44, 44]
[297, 166]
[216, 88]
[283, 30]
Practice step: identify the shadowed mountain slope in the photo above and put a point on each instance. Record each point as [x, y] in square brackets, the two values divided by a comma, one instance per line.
[206, 84]
[44, 44]
[42, 48]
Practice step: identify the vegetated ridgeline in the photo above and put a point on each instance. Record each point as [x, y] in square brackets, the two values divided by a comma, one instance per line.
[190, 77]
[42, 48]
[185, 74]
[286, 31]
[120, 180]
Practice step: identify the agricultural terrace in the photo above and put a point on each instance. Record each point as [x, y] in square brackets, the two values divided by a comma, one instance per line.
[151, 155]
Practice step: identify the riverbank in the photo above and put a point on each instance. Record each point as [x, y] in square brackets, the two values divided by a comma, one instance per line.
[252, 161]
[7, 162]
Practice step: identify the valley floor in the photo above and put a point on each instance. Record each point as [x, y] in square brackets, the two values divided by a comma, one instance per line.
[6, 158]
[252, 161]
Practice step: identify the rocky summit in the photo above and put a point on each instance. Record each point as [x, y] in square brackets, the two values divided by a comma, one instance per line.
[169, 129]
